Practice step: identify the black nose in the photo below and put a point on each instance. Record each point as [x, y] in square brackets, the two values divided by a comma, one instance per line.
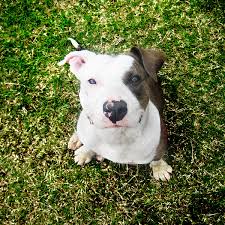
[115, 110]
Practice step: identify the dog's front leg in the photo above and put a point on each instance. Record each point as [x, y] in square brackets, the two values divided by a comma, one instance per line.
[74, 142]
[161, 170]
[83, 155]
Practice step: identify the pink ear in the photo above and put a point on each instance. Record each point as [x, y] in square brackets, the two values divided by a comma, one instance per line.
[75, 60]
[75, 63]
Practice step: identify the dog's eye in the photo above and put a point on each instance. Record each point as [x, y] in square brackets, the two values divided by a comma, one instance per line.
[135, 79]
[92, 81]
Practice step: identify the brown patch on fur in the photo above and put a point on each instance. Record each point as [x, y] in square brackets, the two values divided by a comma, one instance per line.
[156, 94]
[152, 60]
[148, 62]
[162, 147]
[141, 89]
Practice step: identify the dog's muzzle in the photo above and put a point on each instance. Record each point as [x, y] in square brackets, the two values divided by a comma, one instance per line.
[115, 110]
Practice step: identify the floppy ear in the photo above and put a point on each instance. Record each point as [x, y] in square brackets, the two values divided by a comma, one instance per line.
[76, 60]
[152, 60]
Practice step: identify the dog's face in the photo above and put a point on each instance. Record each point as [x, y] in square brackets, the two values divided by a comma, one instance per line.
[115, 90]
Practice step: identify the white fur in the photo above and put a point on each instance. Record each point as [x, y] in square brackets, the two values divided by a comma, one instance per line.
[74, 43]
[134, 142]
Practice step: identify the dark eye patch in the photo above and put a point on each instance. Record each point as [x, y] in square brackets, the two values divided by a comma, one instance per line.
[133, 79]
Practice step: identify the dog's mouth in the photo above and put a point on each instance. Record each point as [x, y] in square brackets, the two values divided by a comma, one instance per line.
[123, 125]
[116, 126]
[119, 124]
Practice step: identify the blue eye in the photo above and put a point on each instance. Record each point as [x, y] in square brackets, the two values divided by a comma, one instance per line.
[135, 79]
[92, 81]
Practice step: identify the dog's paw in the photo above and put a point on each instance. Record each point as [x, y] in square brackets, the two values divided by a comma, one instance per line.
[74, 142]
[99, 158]
[83, 156]
[161, 170]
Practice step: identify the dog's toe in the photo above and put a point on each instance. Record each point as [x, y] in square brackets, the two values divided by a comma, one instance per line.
[163, 175]
[99, 158]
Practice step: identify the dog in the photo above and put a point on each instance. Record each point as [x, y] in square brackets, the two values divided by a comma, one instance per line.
[122, 108]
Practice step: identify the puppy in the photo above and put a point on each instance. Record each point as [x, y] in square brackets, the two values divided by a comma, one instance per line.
[122, 108]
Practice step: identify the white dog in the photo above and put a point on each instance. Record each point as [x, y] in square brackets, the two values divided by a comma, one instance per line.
[122, 106]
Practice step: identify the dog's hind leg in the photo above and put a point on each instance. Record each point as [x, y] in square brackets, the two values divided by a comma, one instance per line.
[161, 170]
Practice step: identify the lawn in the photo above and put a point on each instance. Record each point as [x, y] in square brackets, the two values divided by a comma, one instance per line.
[39, 106]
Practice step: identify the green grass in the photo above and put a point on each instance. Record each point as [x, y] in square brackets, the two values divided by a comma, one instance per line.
[40, 183]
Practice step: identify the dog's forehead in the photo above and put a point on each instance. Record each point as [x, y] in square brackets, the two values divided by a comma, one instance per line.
[113, 67]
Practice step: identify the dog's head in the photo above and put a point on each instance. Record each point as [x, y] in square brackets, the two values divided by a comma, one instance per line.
[115, 90]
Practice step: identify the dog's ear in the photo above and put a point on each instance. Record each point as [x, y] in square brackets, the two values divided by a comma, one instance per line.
[76, 60]
[152, 60]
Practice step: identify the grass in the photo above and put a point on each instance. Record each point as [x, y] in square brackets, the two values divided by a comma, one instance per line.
[40, 183]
